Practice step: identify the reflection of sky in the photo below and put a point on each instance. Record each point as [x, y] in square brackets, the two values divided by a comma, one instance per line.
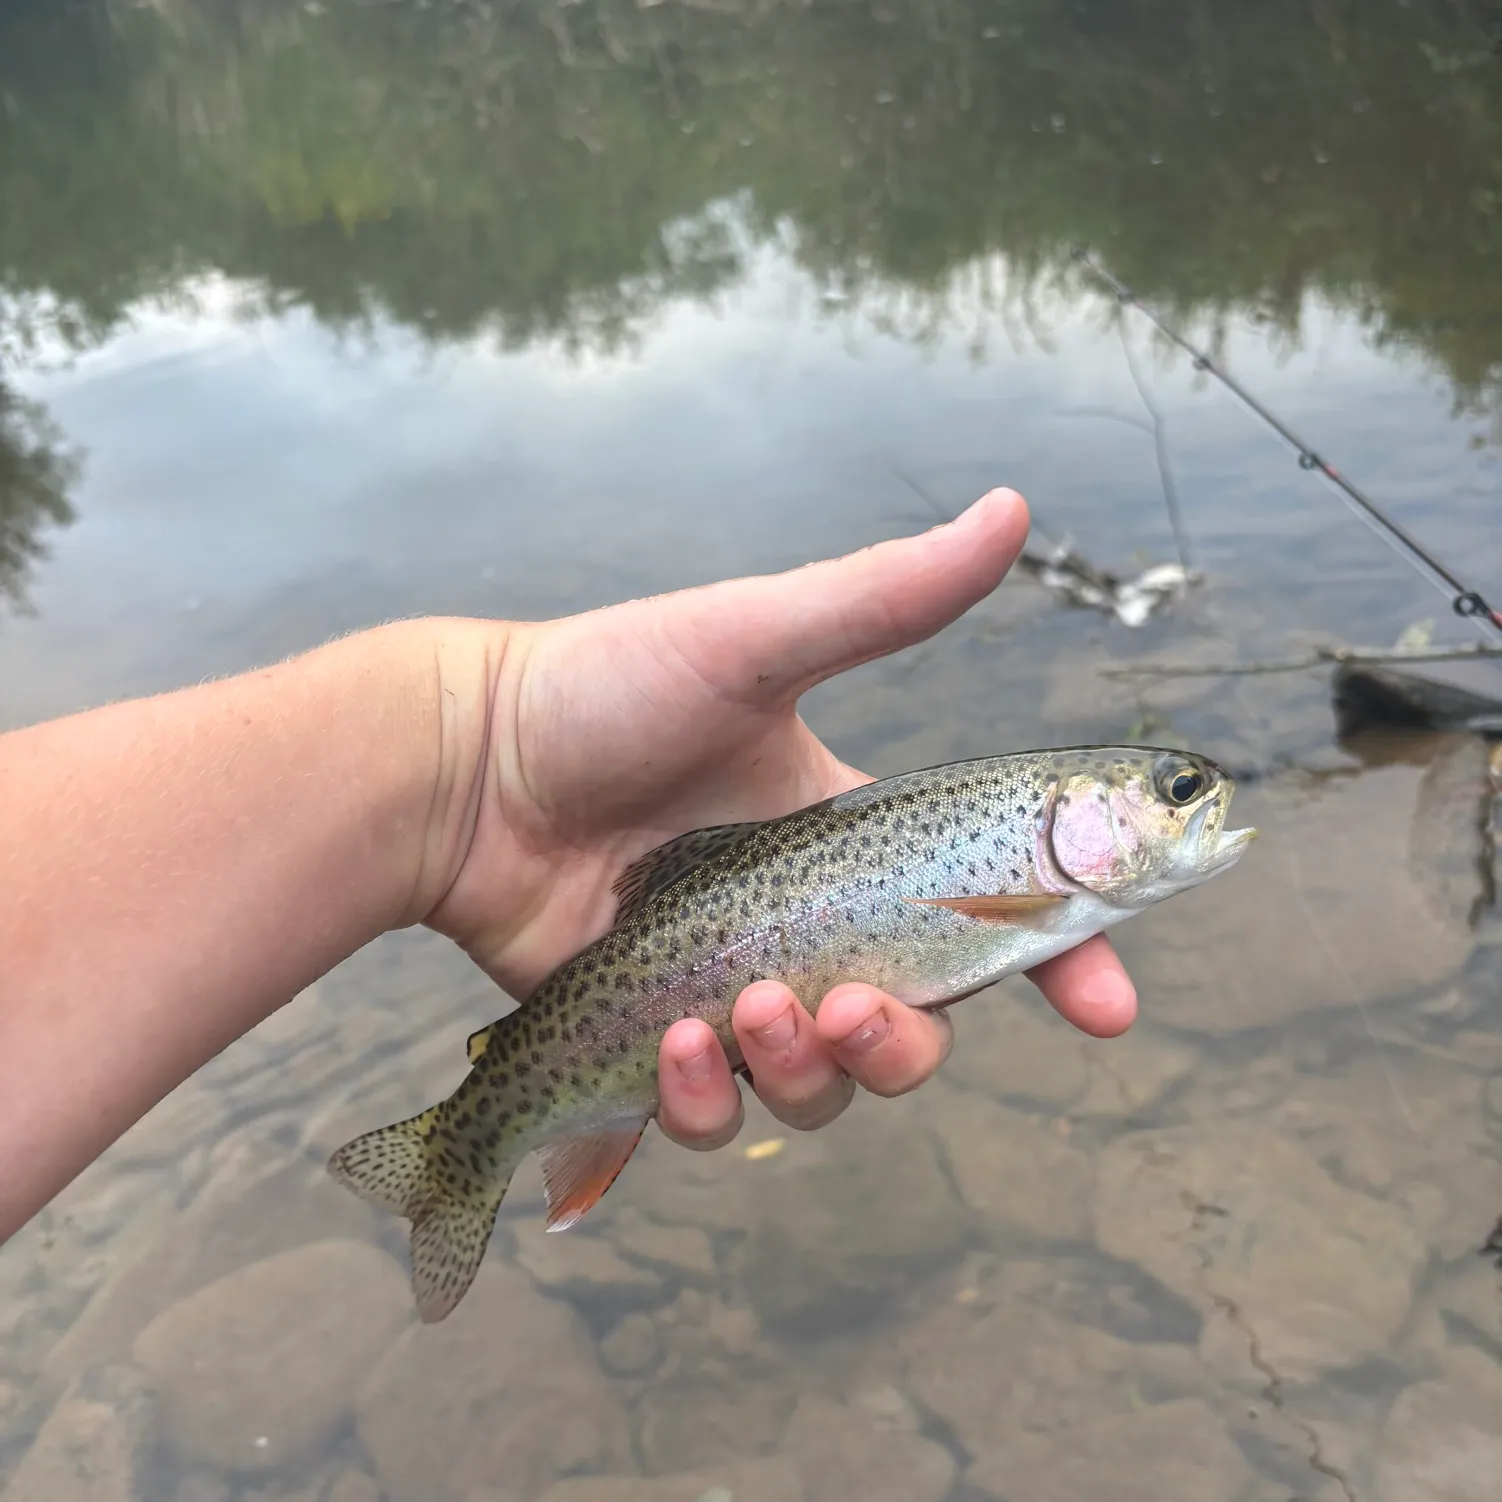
[255, 485]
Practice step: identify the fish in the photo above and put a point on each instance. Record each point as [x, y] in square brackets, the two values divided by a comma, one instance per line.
[931, 885]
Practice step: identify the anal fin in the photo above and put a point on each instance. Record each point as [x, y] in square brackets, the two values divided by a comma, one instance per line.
[576, 1171]
[1023, 909]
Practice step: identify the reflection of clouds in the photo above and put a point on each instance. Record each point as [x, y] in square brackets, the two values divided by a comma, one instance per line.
[270, 468]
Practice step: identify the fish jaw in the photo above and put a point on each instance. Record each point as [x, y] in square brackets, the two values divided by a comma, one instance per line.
[1230, 846]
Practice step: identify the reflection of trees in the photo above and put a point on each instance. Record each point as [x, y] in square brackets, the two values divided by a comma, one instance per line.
[35, 473]
[517, 166]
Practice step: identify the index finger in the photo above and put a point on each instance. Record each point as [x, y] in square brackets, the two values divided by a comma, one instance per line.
[1089, 987]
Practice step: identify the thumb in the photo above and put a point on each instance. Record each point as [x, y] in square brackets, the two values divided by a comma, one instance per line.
[770, 639]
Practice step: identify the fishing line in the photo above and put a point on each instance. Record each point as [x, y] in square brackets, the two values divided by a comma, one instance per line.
[1465, 601]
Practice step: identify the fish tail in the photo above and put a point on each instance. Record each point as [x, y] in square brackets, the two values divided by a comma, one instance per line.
[452, 1209]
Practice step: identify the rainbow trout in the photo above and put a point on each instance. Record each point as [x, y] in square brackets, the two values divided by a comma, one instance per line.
[931, 885]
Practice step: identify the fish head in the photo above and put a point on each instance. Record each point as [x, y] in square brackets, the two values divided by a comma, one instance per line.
[1135, 825]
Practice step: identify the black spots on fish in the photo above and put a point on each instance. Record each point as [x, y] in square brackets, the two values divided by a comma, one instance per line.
[556, 1075]
[523, 1069]
[641, 1066]
[464, 1121]
[493, 1139]
[524, 1107]
[622, 1045]
[482, 1106]
[576, 1079]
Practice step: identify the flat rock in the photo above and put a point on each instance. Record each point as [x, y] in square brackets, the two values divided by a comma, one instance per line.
[1332, 879]
[632, 1347]
[575, 1262]
[1008, 1041]
[684, 1250]
[203, 1486]
[709, 1414]
[1129, 1075]
[506, 1387]
[94, 1444]
[844, 1220]
[1170, 1450]
[1406, 1126]
[1442, 1441]
[769, 1479]
[354, 1486]
[1015, 1170]
[258, 1369]
[1020, 1369]
[845, 1451]
[1469, 1296]
[1322, 1275]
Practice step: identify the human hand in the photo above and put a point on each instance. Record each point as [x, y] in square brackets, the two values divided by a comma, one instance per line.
[607, 733]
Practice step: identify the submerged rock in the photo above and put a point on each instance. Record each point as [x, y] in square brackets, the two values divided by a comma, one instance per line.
[1020, 1369]
[1016, 1171]
[1171, 1450]
[577, 1263]
[249, 1212]
[770, 1479]
[843, 1451]
[504, 1394]
[845, 1220]
[257, 1369]
[95, 1443]
[701, 1419]
[1442, 1441]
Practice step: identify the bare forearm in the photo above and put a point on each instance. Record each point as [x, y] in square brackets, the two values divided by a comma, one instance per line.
[174, 869]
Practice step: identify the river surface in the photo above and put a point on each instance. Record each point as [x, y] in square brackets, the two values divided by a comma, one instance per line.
[316, 315]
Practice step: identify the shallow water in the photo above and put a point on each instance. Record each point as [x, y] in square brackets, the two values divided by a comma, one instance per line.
[357, 311]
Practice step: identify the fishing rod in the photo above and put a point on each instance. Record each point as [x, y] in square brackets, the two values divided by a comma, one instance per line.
[1465, 601]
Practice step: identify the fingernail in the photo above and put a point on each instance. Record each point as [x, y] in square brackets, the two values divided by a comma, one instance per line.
[696, 1067]
[779, 1032]
[870, 1034]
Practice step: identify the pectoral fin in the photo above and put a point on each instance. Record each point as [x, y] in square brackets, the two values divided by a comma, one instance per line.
[1024, 909]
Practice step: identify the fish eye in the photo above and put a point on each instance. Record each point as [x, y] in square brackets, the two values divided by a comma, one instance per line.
[1181, 784]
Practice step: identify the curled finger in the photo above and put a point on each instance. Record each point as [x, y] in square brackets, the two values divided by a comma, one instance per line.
[888, 1048]
[699, 1101]
[792, 1069]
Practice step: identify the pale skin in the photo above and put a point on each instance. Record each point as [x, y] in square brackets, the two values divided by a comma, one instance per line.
[177, 868]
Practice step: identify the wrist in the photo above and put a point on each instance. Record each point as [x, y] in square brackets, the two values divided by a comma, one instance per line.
[447, 676]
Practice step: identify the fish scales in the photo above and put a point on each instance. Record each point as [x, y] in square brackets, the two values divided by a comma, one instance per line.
[930, 885]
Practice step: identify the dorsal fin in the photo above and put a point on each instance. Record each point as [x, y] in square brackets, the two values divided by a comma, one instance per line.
[477, 1042]
[646, 876]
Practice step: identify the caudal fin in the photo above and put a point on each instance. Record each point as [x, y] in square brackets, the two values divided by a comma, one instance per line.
[452, 1214]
